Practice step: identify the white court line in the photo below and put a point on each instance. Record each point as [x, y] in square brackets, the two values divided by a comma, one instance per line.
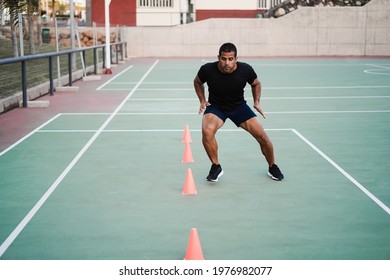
[154, 83]
[378, 70]
[330, 97]
[267, 112]
[113, 78]
[379, 66]
[276, 98]
[10, 239]
[146, 130]
[313, 64]
[114, 89]
[330, 112]
[158, 113]
[164, 99]
[329, 87]
[67, 130]
[85, 114]
[342, 171]
[166, 89]
[195, 113]
[28, 135]
[269, 88]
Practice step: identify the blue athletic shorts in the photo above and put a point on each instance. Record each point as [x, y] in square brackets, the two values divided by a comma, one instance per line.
[239, 115]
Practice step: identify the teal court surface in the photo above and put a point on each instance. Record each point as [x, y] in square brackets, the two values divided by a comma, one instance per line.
[108, 185]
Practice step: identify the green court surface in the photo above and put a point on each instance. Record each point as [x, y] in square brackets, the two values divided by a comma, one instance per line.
[108, 185]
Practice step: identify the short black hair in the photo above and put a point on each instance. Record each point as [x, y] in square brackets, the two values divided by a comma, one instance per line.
[228, 47]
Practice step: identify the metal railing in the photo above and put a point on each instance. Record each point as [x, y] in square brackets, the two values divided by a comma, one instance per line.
[120, 48]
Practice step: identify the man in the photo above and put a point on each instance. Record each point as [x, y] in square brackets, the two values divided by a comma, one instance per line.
[226, 80]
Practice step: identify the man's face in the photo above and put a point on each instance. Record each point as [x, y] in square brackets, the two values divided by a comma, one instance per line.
[227, 62]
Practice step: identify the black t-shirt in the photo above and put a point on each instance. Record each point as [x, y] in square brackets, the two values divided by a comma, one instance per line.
[226, 91]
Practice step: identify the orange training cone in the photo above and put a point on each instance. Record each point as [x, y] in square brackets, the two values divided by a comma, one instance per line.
[194, 249]
[187, 156]
[189, 184]
[187, 135]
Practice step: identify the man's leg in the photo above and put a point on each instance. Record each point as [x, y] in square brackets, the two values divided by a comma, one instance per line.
[210, 125]
[254, 127]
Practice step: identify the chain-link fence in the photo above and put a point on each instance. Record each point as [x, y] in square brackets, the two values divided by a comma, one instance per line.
[36, 35]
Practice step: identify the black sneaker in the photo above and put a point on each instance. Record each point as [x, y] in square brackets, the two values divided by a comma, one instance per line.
[275, 173]
[215, 172]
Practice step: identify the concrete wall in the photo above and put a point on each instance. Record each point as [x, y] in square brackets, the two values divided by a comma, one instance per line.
[308, 31]
[226, 4]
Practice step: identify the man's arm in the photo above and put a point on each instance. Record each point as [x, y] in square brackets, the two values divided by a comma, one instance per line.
[256, 93]
[199, 89]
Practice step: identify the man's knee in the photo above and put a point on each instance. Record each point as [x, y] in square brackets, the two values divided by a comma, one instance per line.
[211, 123]
[208, 132]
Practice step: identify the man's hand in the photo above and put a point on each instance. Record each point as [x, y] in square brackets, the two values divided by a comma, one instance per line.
[202, 107]
[258, 109]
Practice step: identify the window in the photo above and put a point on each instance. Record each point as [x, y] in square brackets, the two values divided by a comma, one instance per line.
[268, 4]
[155, 3]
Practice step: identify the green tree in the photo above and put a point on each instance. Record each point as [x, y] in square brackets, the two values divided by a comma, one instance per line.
[31, 10]
[26, 7]
[14, 8]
